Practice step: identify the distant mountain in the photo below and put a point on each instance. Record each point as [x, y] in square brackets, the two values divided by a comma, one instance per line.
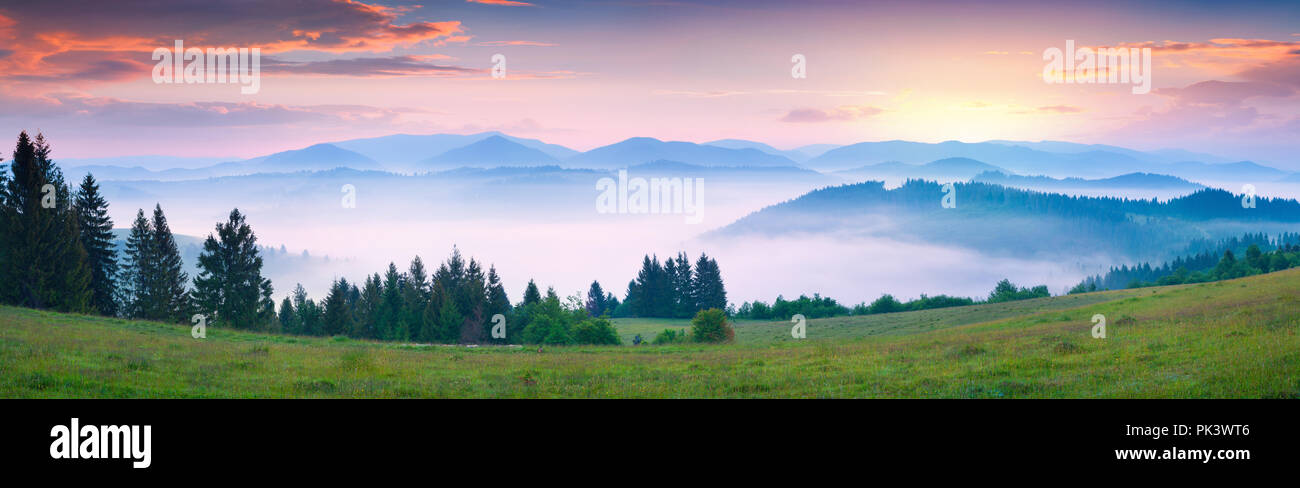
[944, 170]
[793, 154]
[814, 150]
[1157, 156]
[406, 149]
[1019, 159]
[639, 150]
[1145, 181]
[1062, 147]
[1241, 172]
[732, 174]
[490, 152]
[148, 163]
[312, 158]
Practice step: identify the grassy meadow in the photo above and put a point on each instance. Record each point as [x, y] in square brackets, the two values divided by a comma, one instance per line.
[1226, 339]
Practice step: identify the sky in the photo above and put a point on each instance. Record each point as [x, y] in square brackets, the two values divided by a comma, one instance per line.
[1225, 76]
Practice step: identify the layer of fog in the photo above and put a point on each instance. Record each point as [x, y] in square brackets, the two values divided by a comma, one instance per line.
[551, 231]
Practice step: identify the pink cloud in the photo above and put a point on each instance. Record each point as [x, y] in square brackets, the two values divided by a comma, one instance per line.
[504, 3]
[838, 114]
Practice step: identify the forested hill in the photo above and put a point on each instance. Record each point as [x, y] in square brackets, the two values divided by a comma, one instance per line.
[1004, 220]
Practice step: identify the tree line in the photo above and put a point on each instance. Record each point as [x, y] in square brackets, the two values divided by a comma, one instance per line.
[674, 289]
[1262, 254]
[820, 307]
[57, 252]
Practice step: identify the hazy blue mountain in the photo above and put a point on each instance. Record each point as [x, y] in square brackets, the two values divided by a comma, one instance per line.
[409, 148]
[490, 152]
[728, 174]
[1015, 158]
[947, 169]
[1076, 148]
[149, 163]
[315, 157]
[1176, 155]
[814, 150]
[999, 220]
[794, 154]
[639, 150]
[1129, 181]
[1241, 171]
[108, 173]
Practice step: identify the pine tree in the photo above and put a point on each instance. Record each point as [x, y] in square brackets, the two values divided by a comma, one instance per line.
[230, 286]
[430, 330]
[354, 311]
[685, 303]
[137, 268]
[531, 295]
[652, 294]
[415, 295]
[472, 303]
[45, 264]
[304, 310]
[170, 299]
[449, 321]
[709, 290]
[337, 315]
[391, 319]
[97, 240]
[368, 308]
[289, 318]
[595, 300]
[498, 302]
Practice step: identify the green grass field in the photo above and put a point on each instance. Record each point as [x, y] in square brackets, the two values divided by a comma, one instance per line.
[1227, 339]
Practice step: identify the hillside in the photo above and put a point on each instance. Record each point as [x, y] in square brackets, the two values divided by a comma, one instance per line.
[1008, 221]
[1227, 339]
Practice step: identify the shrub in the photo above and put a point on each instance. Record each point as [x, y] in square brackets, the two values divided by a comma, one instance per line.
[595, 331]
[711, 326]
[669, 336]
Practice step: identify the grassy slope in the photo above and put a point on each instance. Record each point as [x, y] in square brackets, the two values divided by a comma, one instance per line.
[1228, 339]
[766, 332]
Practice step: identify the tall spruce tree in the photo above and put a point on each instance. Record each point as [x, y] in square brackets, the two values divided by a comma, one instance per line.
[170, 298]
[368, 308]
[133, 292]
[288, 317]
[709, 290]
[305, 309]
[498, 301]
[230, 286]
[684, 299]
[44, 263]
[97, 240]
[531, 295]
[392, 319]
[595, 303]
[337, 315]
[415, 295]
